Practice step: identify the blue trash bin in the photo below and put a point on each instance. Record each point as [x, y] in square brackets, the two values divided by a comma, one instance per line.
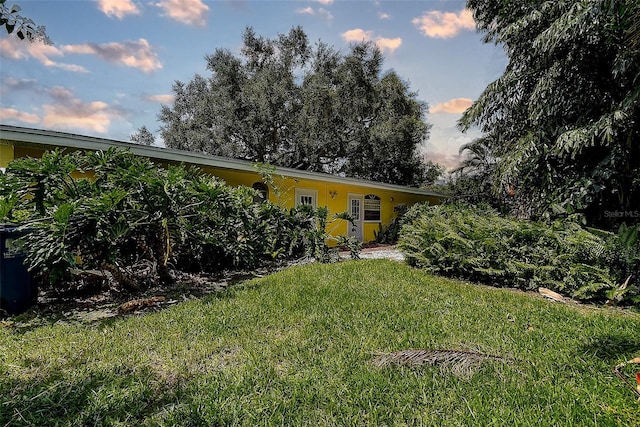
[18, 289]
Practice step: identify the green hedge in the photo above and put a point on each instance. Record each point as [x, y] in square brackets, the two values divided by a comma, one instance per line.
[123, 217]
[478, 244]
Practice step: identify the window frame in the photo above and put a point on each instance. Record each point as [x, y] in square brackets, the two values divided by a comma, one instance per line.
[299, 192]
[369, 198]
[263, 189]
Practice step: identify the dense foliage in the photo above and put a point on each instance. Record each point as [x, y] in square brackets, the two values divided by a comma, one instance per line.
[561, 126]
[143, 137]
[116, 217]
[287, 103]
[477, 244]
[391, 233]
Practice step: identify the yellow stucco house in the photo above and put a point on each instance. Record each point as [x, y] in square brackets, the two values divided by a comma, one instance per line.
[370, 203]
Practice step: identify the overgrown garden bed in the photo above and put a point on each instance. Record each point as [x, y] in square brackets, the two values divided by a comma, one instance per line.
[478, 244]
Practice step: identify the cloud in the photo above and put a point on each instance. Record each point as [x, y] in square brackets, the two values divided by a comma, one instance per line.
[161, 98]
[448, 160]
[190, 12]
[63, 110]
[325, 2]
[118, 8]
[69, 112]
[445, 140]
[454, 106]
[360, 35]
[388, 44]
[15, 49]
[136, 54]
[356, 35]
[306, 11]
[383, 16]
[444, 25]
[323, 13]
[13, 114]
[9, 84]
[9, 48]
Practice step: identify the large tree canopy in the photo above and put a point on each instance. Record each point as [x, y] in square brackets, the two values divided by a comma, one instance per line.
[562, 122]
[288, 103]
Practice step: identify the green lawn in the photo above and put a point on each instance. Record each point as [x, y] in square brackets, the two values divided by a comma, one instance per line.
[295, 348]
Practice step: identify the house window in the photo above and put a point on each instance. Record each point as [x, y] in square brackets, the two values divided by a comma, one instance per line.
[261, 188]
[371, 207]
[306, 196]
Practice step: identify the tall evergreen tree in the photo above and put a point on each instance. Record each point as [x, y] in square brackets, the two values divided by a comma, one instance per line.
[562, 120]
[143, 136]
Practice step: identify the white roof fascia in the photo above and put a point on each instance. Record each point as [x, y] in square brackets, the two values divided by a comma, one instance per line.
[63, 139]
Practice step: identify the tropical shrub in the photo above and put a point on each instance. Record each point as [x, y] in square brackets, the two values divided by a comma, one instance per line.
[478, 244]
[391, 233]
[312, 230]
[121, 217]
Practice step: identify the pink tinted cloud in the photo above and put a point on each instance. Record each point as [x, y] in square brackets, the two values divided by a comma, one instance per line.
[68, 112]
[118, 8]
[360, 35]
[190, 12]
[15, 49]
[388, 44]
[453, 106]
[357, 35]
[160, 98]
[21, 116]
[444, 25]
[448, 160]
[136, 54]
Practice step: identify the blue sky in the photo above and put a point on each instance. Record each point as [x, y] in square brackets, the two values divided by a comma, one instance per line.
[113, 62]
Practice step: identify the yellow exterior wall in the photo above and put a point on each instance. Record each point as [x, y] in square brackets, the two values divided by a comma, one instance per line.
[332, 195]
[21, 151]
[6, 154]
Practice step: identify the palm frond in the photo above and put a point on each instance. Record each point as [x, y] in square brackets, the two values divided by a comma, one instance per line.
[459, 362]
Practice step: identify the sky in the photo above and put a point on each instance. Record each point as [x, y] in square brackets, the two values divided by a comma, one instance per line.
[113, 62]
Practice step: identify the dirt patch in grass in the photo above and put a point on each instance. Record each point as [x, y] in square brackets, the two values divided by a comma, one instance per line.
[90, 305]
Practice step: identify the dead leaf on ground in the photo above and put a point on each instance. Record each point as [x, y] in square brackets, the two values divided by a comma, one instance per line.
[137, 304]
[548, 293]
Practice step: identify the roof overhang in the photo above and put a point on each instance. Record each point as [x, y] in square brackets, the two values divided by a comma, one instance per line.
[51, 139]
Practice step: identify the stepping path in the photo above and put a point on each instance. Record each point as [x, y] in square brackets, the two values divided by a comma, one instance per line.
[379, 252]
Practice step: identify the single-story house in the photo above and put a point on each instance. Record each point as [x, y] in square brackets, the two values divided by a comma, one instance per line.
[372, 204]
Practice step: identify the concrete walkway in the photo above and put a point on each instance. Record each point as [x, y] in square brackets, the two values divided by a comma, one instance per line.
[379, 252]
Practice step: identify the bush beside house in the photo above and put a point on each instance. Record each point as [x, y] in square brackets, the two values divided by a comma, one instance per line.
[478, 244]
[117, 215]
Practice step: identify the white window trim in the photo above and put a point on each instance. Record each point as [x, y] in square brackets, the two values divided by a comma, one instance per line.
[306, 192]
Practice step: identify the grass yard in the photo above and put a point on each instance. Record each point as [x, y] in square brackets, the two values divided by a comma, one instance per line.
[296, 348]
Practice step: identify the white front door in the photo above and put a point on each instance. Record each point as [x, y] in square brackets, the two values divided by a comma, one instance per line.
[355, 208]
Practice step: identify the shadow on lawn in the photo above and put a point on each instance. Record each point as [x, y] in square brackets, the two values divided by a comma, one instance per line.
[102, 307]
[122, 393]
[611, 348]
